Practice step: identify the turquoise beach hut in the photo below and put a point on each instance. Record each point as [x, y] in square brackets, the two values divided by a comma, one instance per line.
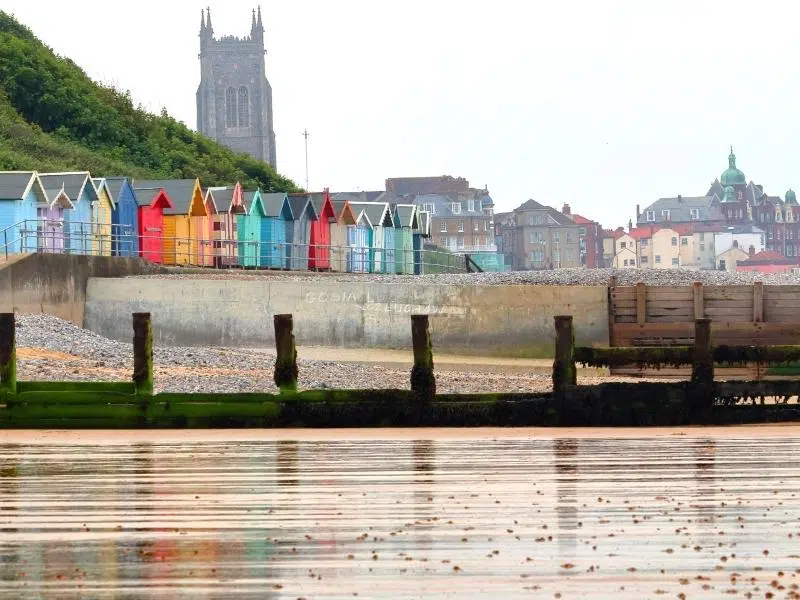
[278, 218]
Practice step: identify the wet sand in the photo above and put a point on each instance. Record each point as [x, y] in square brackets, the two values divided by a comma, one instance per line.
[390, 513]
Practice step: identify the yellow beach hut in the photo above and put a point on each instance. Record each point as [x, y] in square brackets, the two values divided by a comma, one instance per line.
[102, 210]
[186, 223]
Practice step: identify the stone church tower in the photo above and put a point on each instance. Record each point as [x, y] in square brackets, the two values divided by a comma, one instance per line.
[234, 98]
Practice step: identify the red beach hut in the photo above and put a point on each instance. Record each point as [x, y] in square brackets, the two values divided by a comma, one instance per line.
[319, 248]
[152, 203]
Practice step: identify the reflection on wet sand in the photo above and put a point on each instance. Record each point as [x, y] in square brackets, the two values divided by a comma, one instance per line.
[511, 516]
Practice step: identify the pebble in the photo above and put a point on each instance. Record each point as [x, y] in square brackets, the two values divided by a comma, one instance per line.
[577, 276]
[51, 349]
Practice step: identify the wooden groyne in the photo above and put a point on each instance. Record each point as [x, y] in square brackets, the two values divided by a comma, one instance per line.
[701, 399]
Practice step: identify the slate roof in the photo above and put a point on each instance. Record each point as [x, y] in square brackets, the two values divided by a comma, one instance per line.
[223, 198]
[247, 200]
[180, 192]
[13, 184]
[273, 203]
[366, 196]
[557, 217]
[407, 214]
[680, 209]
[317, 201]
[300, 203]
[144, 196]
[376, 212]
[115, 186]
[72, 183]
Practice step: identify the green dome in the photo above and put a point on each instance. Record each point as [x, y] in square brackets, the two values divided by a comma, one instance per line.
[791, 197]
[732, 175]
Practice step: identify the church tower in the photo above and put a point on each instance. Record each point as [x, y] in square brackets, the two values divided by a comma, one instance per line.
[234, 98]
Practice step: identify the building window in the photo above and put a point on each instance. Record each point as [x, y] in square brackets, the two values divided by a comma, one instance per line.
[461, 227]
[537, 256]
[674, 241]
[486, 225]
[230, 107]
[633, 262]
[694, 214]
[556, 236]
[645, 243]
[556, 256]
[702, 247]
[739, 195]
[536, 220]
[476, 226]
[460, 242]
[582, 231]
[658, 258]
[643, 259]
[536, 237]
[244, 107]
[651, 216]
[443, 227]
[443, 241]
[568, 237]
[623, 244]
[665, 215]
[702, 237]
[684, 241]
[429, 207]
[675, 262]
[455, 207]
[471, 205]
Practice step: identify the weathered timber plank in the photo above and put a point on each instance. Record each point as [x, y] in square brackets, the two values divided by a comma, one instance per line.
[728, 292]
[758, 302]
[725, 313]
[658, 293]
[746, 304]
[641, 303]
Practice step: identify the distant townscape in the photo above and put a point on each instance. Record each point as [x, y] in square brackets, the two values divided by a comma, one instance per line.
[735, 226]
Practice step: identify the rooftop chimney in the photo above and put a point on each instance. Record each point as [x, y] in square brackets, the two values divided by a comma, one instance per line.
[638, 213]
[630, 225]
[565, 209]
[680, 198]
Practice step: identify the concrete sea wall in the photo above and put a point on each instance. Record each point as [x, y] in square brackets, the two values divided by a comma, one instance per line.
[55, 284]
[512, 321]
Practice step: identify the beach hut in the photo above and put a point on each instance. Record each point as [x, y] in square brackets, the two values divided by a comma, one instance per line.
[319, 251]
[389, 263]
[298, 233]
[21, 195]
[227, 202]
[406, 216]
[420, 234]
[50, 222]
[78, 225]
[248, 228]
[102, 210]
[151, 204]
[186, 223]
[359, 239]
[340, 250]
[278, 220]
[124, 217]
[379, 217]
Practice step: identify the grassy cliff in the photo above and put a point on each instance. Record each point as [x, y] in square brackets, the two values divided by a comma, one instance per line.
[53, 117]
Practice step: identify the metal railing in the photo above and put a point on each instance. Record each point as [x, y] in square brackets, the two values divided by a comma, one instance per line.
[214, 251]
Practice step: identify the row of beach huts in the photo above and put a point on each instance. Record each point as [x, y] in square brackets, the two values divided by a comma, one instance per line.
[179, 222]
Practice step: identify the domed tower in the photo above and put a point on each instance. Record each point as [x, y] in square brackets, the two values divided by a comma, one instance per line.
[730, 194]
[791, 197]
[732, 176]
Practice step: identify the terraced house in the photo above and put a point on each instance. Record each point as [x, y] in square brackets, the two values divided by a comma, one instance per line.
[462, 218]
[535, 236]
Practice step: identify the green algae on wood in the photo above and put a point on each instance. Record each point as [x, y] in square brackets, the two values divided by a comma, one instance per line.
[8, 353]
[423, 381]
[286, 372]
[143, 353]
[642, 356]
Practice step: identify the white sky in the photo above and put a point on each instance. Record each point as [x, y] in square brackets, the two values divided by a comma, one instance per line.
[599, 104]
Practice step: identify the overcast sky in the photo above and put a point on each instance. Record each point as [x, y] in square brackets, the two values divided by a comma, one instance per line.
[599, 104]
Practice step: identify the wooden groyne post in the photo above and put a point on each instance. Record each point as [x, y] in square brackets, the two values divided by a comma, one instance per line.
[8, 353]
[143, 353]
[702, 380]
[564, 371]
[286, 372]
[423, 381]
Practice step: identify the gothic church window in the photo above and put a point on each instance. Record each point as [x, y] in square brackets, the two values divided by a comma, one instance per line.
[230, 107]
[244, 108]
